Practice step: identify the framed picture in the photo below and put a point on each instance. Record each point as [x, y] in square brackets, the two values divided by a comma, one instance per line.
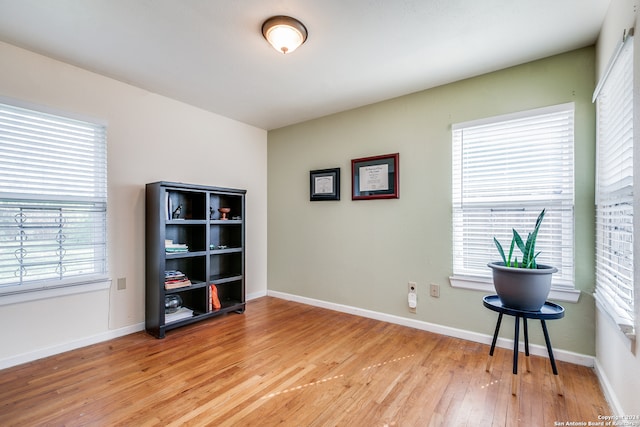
[324, 184]
[375, 177]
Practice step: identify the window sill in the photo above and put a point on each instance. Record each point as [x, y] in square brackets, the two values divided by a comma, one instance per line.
[623, 325]
[52, 292]
[486, 285]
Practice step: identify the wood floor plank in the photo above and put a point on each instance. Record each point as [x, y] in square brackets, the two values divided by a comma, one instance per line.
[284, 363]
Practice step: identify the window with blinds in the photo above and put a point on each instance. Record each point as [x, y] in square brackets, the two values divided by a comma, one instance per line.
[506, 169]
[53, 200]
[614, 190]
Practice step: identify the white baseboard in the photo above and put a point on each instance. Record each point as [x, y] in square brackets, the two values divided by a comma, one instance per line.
[94, 339]
[538, 350]
[71, 345]
[256, 295]
[607, 389]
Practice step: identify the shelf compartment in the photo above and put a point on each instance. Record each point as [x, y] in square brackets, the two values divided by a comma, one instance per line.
[192, 235]
[193, 298]
[227, 235]
[228, 263]
[192, 203]
[225, 200]
[230, 293]
[193, 267]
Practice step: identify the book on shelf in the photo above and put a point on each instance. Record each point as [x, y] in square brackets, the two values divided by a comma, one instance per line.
[176, 284]
[172, 248]
[182, 313]
[177, 276]
[174, 279]
[167, 205]
[174, 275]
[176, 250]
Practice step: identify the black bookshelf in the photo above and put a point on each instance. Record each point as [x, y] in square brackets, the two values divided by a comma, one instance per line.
[193, 251]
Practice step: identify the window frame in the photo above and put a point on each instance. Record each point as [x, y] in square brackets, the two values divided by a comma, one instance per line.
[47, 288]
[564, 291]
[607, 272]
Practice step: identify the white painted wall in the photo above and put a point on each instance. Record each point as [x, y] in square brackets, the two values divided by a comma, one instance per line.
[150, 138]
[618, 358]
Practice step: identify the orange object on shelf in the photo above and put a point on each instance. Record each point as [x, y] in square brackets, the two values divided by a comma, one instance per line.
[215, 301]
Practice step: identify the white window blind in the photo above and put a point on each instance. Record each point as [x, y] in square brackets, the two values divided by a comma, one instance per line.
[506, 169]
[614, 191]
[53, 199]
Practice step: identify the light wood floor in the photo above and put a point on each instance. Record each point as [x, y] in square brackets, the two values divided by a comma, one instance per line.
[289, 364]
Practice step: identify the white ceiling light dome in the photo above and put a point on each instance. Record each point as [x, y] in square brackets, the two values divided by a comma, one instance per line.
[284, 33]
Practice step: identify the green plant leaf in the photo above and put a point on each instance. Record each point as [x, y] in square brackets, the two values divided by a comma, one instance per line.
[531, 242]
[526, 252]
[518, 240]
[528, 249]
[508, 264]
[500, 250]
[535, 262]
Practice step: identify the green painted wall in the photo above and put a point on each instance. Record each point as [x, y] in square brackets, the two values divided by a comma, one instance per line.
[363, 253]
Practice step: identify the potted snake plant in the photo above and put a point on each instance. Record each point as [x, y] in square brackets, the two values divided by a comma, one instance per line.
[522, 284]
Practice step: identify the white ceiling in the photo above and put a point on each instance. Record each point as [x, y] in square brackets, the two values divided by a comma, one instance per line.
[211, 54]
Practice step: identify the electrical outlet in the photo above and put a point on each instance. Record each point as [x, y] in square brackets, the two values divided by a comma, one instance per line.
[412, 299]
[434, 290]
[413, 287]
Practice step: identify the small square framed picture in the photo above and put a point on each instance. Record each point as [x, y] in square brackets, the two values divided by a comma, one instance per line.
[324, 184]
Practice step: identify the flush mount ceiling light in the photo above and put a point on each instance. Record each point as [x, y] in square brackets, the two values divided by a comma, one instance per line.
[284, 33]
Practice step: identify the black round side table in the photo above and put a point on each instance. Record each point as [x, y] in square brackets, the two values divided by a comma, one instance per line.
[549, 311]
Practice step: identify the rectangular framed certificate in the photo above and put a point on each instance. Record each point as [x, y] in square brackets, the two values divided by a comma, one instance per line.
[375, 177]
[324, 184]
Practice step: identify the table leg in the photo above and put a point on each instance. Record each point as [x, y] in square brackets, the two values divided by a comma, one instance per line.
[493, 343]
[526, 344]
[516, 337]
[551, 358]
